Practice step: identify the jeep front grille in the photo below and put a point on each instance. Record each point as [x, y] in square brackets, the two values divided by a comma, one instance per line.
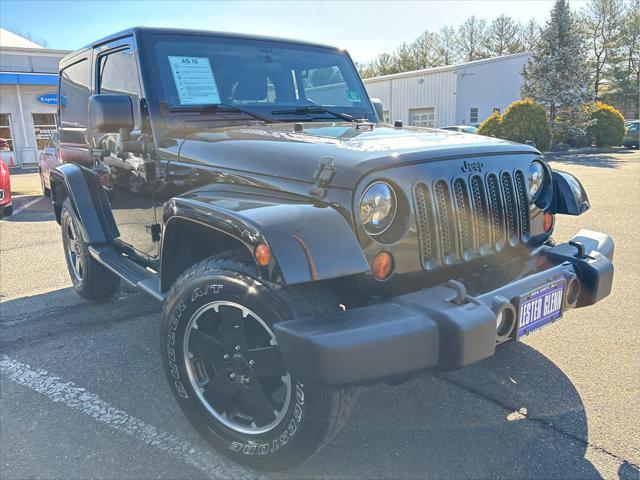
[466, 218]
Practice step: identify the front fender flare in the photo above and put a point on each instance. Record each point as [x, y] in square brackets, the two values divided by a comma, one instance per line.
[308, 242]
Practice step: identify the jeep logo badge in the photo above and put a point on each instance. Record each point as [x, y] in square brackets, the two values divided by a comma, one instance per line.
[472, 166]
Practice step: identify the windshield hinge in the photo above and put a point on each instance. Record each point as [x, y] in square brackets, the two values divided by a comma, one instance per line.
[322, 177]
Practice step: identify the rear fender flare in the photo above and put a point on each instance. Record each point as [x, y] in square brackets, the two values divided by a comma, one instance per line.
[308, 242]
[88, 200]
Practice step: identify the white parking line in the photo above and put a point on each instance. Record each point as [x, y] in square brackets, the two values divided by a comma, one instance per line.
[26, 205]
[78, 398]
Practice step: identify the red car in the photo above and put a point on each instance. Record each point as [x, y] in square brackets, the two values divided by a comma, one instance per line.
[6, 206]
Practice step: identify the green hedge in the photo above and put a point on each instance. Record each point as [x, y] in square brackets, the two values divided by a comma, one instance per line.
[492, 126]
[526, 120]
[608, 126]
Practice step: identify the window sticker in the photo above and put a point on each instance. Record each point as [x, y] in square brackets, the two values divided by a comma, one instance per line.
[194, 80]
[353, 96]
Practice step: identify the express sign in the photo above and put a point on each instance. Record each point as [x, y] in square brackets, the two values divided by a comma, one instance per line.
[49, 98]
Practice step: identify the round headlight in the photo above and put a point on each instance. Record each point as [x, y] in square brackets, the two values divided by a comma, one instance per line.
[377, 208]
[536, 178]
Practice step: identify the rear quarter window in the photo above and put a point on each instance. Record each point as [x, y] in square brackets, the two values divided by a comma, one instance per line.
[74, 94]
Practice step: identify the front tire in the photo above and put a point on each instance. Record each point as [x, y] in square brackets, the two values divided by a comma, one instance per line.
[226, 371]
[90, 279]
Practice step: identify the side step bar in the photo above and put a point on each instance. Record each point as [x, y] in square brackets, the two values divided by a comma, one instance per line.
[128, 270]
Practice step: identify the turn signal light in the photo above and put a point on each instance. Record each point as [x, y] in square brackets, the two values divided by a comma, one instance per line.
[548, 222]
[382, 265]
[262, 254]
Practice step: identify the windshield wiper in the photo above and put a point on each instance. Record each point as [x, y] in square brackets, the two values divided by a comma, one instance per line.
[222, 107]
[305, 109]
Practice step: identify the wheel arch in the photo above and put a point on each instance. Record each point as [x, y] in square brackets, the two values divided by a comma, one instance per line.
[88, 199]
[308, 242]
[186, 241]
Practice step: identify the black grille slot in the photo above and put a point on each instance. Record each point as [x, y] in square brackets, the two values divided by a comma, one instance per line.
[523, 204]
[496, 210]
[425, 223]
[463, 210]
[481, 211]
[511, 208]
[445, 220]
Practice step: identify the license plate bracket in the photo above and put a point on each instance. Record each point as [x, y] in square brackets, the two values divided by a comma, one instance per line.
[540, 307]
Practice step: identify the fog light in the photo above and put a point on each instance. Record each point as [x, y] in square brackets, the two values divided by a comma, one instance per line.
[505, 321]
[573, 291]
[549, 220]
[262, 254]
[500, 320]
[382, 265]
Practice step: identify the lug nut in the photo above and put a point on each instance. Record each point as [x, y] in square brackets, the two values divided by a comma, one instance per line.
[246, 380]
[237, 348]
[232, 376]
[226, 357]
[252, 363]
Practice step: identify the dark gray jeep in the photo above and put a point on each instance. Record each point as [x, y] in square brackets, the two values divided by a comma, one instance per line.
[300, 248]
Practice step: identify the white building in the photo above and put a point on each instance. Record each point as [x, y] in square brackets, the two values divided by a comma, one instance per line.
[463, 94]
[28, 97]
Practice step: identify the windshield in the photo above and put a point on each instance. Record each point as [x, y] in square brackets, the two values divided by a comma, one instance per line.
[256, 75]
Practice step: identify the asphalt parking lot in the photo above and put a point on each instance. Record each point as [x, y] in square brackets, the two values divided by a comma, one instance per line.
[83, 394]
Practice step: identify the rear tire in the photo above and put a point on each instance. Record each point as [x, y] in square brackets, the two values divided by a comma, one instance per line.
[222, 297]
[90, 278]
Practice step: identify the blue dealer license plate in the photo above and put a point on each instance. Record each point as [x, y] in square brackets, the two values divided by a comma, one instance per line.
[540, 307]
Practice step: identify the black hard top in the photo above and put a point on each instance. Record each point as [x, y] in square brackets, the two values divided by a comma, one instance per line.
[142, 31]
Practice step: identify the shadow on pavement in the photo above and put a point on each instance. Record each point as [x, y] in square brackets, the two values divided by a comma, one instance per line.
[469, 423]
[601, 160]
[41, 211]
[628, 471]
[431, 428]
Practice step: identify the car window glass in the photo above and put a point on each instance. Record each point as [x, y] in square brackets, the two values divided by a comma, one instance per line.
[209, 70]
[74, 94]
[118, 75]
[324, 85]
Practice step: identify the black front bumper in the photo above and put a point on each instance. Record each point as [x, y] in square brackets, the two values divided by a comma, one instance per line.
[435, 328]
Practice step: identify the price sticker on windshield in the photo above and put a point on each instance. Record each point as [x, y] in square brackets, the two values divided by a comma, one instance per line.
[194, 80]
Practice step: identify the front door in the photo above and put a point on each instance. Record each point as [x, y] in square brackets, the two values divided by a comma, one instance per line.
[131, 196]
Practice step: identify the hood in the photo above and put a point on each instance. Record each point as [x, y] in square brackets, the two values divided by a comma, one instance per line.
[276, 150]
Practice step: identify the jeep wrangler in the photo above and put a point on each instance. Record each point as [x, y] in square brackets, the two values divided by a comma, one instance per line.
[300, 247]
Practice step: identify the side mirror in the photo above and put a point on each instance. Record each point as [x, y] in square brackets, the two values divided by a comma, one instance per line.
[110, 113]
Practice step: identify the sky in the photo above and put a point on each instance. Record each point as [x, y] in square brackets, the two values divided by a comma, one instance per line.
[364, 28]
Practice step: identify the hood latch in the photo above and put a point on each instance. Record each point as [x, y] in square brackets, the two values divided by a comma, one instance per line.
[322, 177]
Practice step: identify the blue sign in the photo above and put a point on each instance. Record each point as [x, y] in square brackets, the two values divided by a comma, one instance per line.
[49, 98]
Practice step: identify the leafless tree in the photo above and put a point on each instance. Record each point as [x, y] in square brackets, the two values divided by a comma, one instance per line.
[528, 34]
[425, 50]
[602, 26]
[470, 39]
[446, 45]
[502, 37]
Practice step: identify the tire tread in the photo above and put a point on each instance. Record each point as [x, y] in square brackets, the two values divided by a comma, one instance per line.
[98, 282]
[306, 299]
